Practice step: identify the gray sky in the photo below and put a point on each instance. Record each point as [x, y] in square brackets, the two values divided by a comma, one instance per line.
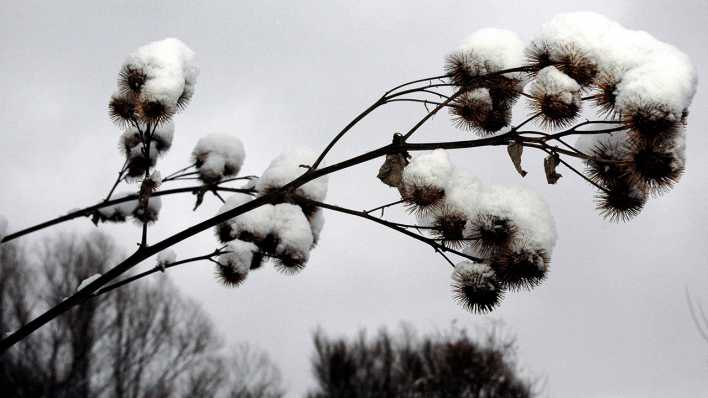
[611, 320]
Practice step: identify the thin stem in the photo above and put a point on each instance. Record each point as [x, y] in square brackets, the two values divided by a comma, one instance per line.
[431, 242]
[416, 100]
[530, 118]
[90, 209]
[431, 113]
[382, 207]
[414, 82]
[576, 171]
[121, 174]
[141, 275]
[169, 177]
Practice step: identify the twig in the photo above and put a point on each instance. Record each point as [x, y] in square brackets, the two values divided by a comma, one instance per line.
[141, 275]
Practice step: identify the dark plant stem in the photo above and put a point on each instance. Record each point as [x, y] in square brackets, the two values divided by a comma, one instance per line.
[90, 209]
[141, 275]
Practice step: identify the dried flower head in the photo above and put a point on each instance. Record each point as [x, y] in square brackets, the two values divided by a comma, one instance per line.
[556, 97]
[605, 95]
[148, 213]
[475, 110]
[290, 265]
[621, 200]
[122, 109]
[131, 79]
[234, 264]
[449, 226]
[609, 159]
[651, 122]
[475, 287]
[656, 164]
[422, 200]
[490, 234]
[155, 111]
[568, 58]
[230, 276]
[521, 267]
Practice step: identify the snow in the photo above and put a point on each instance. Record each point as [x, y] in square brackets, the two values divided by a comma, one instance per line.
[474, 274]
[491, 50]
[556, 84]
[293, 231]
[239, 256]
[166, 257]
[527, 211]
[218, 156]
[286, 168]
[431, 169]
[151, 213]
[3, 227]
[87, 281]
[155, 179]
[160, 142]
[651, 73]
[462, 192]
[163, 135]
[119, 211]
[317, 221]
[169, 69]
[257, 223]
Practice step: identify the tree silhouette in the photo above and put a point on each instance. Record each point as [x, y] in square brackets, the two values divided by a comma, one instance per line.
[405, 365]
[145, 340]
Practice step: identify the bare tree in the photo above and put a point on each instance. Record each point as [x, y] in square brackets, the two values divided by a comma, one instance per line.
[444, 365]
[141, 341]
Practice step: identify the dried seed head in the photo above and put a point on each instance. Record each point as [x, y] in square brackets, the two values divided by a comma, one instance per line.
[475, 287]
[520, 268]
[155, 111]
[131, 79]
[122, 110]
[605, 95]
[652, 122]
[610, 163]
[185, 97]
[576, 64]
[290, 263]
[450, 227]
[422, 199]
[257, 261]
[476, 111]
[621, 201]
[569, 59]
[224, 232]
[457, 66]
[538, 56]
[656, 166]
[230, 276]
[149, 212]
[556, 97]
[490, 234]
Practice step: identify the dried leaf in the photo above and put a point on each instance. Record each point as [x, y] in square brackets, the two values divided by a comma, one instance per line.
[391, 171]
[515, 150]
[549, 164]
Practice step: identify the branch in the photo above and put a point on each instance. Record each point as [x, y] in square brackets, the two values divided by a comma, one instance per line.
[438, 247]
[90, 209]
[141, 275]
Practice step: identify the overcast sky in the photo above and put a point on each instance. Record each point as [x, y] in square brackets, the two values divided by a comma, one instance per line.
[610, 321]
